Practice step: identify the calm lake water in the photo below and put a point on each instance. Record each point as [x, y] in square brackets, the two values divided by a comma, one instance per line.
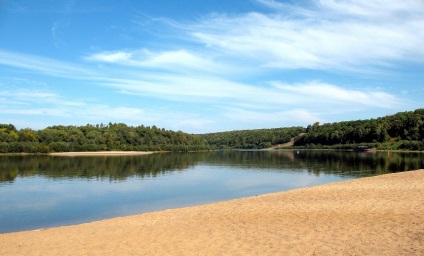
[46, 191]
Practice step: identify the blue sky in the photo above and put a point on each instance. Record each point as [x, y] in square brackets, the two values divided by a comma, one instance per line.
[207, 66]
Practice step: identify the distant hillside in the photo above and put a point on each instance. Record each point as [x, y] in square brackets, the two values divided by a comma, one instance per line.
[251, 139]
[404, 130]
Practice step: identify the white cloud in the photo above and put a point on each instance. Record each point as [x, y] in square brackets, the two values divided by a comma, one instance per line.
[268, 95]
[328, 34]
[37, 96]
[228, 64]
[376, 8]
[43, 65]
[48, 104]
[180, 57]
[330, 95]
[183, 88]
[89, 113]
[181, 61]
[113, 57]
[41, 108]
[295, 116]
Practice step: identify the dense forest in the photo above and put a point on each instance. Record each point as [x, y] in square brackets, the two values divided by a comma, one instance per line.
[404, 130]
[251, 139]
[115, 136]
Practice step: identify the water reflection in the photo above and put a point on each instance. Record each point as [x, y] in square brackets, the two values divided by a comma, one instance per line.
[120, 168]
[114, 168]
[46, 191]
[360, 164]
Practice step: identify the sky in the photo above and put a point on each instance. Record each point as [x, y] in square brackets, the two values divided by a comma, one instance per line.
[208, 66]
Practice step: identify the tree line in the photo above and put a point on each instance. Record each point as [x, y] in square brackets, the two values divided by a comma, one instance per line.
[404, 130]
[118, 136]
[251, 139]
[114, 136]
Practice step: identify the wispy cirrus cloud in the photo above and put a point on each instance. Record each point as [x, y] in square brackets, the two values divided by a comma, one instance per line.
[43, 65]
[318, 92]
[41, 107]
[233, 99]
[175, 61]
[374, 8]
[322, 35]
[294, 116]
[120, 57]
[314, 95]
[48, 103]
[227, 63]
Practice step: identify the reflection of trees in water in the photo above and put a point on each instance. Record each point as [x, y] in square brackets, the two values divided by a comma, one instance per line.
[360, 164]
[113, 167]
[326, 162]
[118, 168]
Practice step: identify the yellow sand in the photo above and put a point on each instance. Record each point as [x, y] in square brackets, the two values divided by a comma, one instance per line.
[381, 215]
[101, 153]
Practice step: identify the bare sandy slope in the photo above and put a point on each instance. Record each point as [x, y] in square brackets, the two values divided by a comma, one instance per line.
[381, 215]
[101, 153]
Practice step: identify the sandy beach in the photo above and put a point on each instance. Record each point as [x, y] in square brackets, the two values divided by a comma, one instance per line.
[101, 153]
[381, 215]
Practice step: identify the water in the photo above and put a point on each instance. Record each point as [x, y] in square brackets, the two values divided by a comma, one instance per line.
[47, 191]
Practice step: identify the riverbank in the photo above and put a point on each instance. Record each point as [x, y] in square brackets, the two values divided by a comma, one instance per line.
[86, 153]
[102, 153]
[370, 216]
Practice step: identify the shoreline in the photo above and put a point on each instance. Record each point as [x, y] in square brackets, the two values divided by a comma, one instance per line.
[380, 215]
[85, 153]
[102, 153]
[123, 153]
